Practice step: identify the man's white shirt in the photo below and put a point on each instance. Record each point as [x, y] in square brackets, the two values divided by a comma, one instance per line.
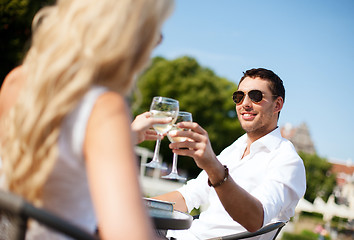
[272, 172]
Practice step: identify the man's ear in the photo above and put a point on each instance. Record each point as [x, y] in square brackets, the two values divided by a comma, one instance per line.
[279, 102]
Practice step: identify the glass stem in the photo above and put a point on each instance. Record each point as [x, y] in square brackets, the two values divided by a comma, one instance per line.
[174, 163]
[157, 149]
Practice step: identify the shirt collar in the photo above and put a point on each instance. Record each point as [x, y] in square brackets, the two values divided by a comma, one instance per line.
[270, 141]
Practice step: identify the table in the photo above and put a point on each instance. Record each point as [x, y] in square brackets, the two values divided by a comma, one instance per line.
[170, 220]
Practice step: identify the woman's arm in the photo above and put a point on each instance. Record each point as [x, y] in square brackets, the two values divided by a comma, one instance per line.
[112, 172]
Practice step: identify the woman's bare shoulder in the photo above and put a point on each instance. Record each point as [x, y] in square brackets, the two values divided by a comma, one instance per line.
[109, 108]
[110, 102]
[15, 77]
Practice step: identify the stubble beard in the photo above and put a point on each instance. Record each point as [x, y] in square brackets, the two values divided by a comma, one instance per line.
[257, 128]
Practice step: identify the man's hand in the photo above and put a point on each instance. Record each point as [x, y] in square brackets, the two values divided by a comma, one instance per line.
[198, 146]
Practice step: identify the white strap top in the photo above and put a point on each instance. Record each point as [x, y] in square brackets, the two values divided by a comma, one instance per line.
[66, 192]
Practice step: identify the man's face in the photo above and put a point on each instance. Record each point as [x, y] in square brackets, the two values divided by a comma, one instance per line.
[257, 119]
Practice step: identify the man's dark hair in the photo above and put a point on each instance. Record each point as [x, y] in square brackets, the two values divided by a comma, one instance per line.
[276, 84]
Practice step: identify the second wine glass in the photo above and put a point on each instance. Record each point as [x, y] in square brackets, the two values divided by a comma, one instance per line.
[182, 117]
[162, 107]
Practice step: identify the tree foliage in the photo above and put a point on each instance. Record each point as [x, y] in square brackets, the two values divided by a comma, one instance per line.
[319, 178]
[199, 91]
[15, 31]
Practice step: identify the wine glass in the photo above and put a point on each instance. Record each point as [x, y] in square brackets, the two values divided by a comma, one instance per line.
[162, 107]
[182, 117]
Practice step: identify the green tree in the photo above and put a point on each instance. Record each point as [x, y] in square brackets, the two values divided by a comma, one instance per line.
[199, 91]
[15, 31]
[319, 178]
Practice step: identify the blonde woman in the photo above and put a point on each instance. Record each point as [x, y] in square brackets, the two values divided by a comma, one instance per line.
[68, 144]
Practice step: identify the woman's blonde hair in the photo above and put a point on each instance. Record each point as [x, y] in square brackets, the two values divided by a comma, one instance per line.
[75, 45]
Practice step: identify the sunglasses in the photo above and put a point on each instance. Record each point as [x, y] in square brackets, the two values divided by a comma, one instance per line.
[255, 95]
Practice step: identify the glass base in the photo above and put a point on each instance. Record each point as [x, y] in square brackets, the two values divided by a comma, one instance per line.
[154, 164]
[174, 176]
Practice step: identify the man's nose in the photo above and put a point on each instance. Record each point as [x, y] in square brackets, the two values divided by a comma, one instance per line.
[247, 101]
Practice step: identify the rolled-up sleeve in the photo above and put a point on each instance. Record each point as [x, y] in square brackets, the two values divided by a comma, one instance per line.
[195, 192]
[284, 186]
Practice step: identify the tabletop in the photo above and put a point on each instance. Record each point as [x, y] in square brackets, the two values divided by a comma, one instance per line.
[170, 220]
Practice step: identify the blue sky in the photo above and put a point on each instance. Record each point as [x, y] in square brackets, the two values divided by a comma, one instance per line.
[308, 43]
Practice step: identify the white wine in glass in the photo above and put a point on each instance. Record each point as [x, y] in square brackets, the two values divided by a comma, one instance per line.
[182, 117]
[162, 107]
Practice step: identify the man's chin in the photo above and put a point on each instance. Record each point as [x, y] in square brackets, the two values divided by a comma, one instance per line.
[247, 126]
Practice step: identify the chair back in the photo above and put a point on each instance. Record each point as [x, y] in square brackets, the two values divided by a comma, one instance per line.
[13, 224]
[276, 226]
[15, 212]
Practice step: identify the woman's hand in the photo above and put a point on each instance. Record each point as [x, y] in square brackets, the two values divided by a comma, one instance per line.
[142, 127]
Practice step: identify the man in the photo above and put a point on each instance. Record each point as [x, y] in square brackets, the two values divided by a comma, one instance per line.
[257, 180]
